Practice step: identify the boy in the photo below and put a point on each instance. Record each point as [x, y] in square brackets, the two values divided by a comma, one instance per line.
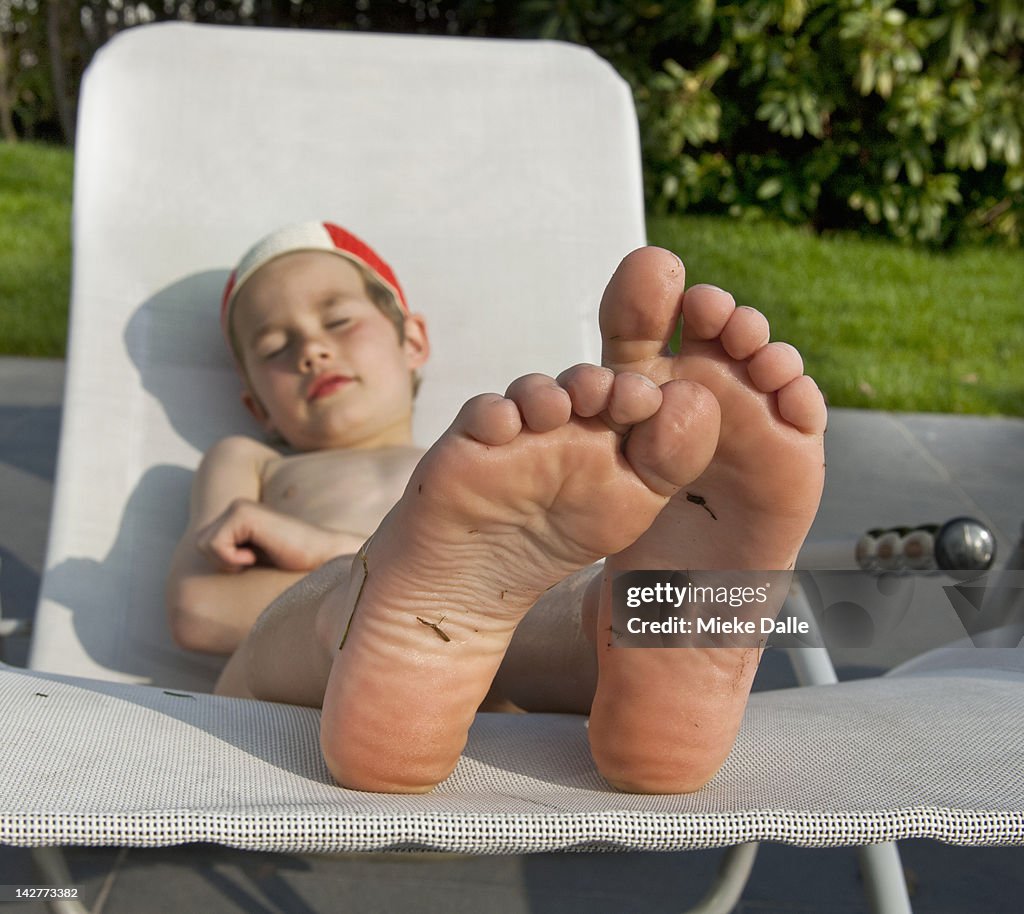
[706, 459]
[355, 455]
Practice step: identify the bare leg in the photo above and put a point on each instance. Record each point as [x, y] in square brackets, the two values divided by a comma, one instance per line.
[551, 664]
[521, 492]
[287, 654]
[664, 719]
[233, 679]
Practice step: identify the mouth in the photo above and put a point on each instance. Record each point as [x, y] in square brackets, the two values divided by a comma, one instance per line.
[326, 384]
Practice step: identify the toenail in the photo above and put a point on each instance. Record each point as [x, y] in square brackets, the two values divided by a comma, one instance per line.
[648, 381]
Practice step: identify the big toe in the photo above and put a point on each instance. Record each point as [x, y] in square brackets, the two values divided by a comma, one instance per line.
[640, 307]
[675, 445]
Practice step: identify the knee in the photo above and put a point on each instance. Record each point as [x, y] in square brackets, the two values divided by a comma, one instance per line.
[187, 630]
[192, 629]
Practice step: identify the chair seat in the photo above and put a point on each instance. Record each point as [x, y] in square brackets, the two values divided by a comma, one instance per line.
[93, 762]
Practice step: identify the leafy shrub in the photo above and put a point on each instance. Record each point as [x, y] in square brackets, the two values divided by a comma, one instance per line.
[898, 117]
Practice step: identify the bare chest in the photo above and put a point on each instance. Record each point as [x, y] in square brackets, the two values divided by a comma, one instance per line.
[342, 490]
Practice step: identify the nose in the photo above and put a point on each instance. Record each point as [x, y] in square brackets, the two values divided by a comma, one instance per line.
[314, 350]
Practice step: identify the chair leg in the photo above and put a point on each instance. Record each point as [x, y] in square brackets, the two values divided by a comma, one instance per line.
[731, 880]
[812, 665]
[880, 864]
[54, 870]
[884, 881]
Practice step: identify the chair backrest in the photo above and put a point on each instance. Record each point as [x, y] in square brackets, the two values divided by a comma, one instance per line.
[501, 179]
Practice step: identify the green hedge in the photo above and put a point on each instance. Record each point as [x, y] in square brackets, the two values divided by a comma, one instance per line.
[902, 118]
[898, 117]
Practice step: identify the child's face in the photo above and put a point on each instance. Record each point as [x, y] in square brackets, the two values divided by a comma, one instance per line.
[323, 364]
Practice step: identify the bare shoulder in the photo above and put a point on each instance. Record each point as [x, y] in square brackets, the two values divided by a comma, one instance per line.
[230, 470]
[236, 450]
[233, 466]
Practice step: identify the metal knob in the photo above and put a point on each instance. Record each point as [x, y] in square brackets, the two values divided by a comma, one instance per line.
[964, 544]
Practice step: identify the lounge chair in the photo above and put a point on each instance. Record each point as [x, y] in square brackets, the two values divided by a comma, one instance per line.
[504, 179]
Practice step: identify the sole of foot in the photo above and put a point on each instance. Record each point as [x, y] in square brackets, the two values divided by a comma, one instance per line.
[665, 719]
[521, 491]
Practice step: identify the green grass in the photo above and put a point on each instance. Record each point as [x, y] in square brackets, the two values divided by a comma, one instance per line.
[879, 325]
[35, 248]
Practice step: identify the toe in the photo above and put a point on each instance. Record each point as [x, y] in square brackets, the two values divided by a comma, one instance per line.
[774, 366]
[640, 307]
[676, 444]
[490, 419]
[706, 311]
[543, 404]
[634, 397]
[745, 333]
[801, 404]
[589, 387]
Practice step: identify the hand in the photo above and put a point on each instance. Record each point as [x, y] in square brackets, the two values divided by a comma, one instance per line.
[248, 533]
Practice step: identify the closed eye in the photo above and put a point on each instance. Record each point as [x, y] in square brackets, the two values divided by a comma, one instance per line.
[272, 348]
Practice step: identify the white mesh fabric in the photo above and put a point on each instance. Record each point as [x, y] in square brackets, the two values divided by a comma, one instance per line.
[92, 762]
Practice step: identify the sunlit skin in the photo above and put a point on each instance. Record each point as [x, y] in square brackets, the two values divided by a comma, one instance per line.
[324, 372]
[477, 588]
[499, 510]
[322, 363]
[662, 720]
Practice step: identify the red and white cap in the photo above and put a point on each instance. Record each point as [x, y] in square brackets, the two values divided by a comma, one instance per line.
[308, 236]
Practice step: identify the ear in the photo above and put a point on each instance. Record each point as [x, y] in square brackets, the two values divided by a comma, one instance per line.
[256, 410]
[417, 342]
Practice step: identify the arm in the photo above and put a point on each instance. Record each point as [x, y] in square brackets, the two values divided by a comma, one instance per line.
[211, 605]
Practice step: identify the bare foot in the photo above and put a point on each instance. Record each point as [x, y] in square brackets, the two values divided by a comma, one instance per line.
[664, 719]
[520, 492]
